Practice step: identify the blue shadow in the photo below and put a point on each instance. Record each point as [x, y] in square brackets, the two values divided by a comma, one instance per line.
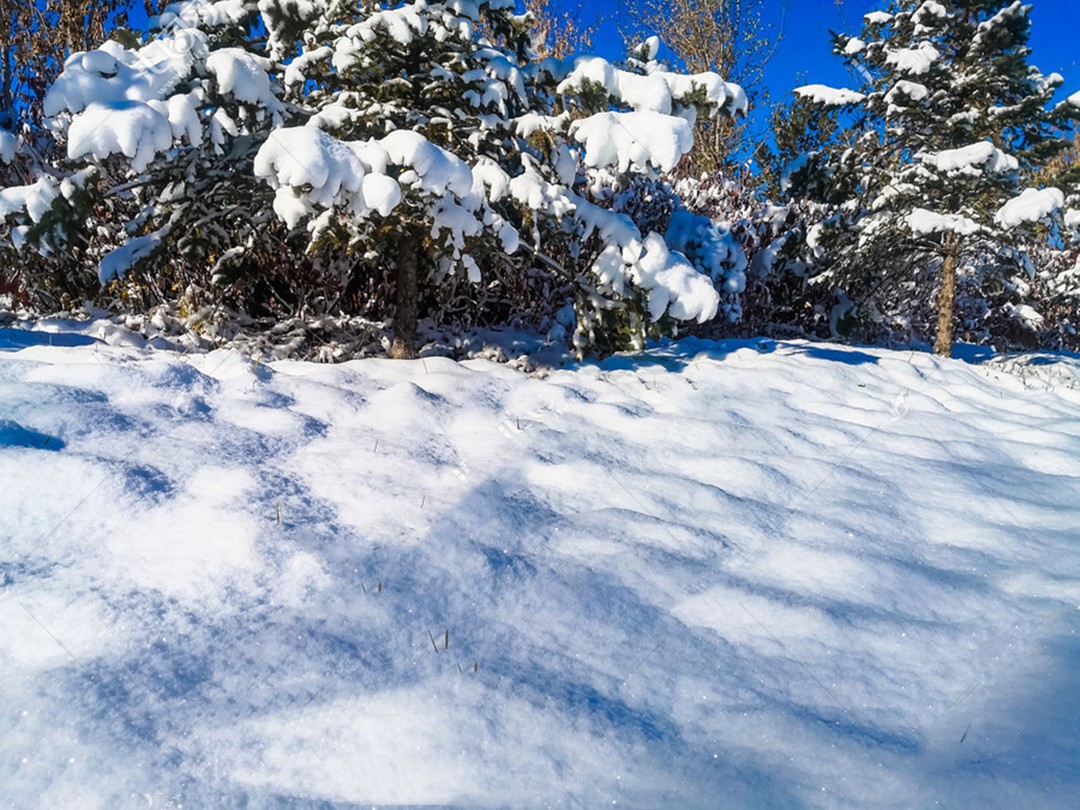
[15, 339]
[12, 434]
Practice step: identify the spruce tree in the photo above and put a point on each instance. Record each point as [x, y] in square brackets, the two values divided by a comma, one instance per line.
[949, 121]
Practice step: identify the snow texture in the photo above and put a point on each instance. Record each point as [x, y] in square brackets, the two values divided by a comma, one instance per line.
[853, 47]
[675, 287]
[913, 61]
[972, 160]
[877, 18]
[1031, 206]
[310, 168]
[129, 128]
[112, 73]
[244, 76]
[9, 145]
[923, 222]
[903, 92]
[659, 91]
[742, 574]
[117, 262]
[829, 96]
[35, 198]
[634, 141]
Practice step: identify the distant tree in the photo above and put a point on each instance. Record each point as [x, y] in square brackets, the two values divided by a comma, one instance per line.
[36, 36]
[561, 33]
[728, 37]
[798, 128]
[1063, 169]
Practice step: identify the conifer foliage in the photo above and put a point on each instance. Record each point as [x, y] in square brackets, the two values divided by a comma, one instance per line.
[930, 186]
[416, 142]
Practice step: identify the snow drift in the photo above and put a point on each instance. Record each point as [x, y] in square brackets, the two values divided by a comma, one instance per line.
[738, 574]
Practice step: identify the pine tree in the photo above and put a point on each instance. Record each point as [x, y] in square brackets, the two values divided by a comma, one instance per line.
[950, 119]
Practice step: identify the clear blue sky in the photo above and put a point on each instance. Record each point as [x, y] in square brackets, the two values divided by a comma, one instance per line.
[805, 24]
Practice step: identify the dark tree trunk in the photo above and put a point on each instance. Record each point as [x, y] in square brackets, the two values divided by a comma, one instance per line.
[7, 105]
[406, 313]
[947, 298]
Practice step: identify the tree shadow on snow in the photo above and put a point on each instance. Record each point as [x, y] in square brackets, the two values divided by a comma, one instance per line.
[679, 355]
[12, 434]
[15, 339]
[1024, 733]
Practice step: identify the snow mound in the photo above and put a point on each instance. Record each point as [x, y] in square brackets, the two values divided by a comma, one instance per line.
[915, 61]
[130, 128]
[633, 140]
[753, 573]
[923, 222]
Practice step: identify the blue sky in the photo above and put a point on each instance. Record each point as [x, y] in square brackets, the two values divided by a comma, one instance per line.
[805, 26]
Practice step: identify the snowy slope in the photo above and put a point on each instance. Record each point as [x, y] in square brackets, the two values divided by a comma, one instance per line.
[740, 574]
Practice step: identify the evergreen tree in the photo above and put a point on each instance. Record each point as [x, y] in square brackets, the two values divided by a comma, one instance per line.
[950, 119]
[798, 128]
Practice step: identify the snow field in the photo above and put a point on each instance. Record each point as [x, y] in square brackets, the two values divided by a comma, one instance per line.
[734, 574]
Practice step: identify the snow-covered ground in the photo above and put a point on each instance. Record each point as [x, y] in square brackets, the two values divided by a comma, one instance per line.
[714, 575]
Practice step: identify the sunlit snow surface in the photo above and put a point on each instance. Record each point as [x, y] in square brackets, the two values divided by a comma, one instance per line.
[715, 575]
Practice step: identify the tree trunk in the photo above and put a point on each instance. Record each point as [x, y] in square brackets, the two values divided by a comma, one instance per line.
[406, 312]
[947, 298]
[7, 104]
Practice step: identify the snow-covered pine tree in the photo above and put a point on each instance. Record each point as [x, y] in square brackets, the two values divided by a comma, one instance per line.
[635, 123]
[418, 138]
[950, 120]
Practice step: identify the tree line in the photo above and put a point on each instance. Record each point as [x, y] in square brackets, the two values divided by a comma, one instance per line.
[331, 179]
